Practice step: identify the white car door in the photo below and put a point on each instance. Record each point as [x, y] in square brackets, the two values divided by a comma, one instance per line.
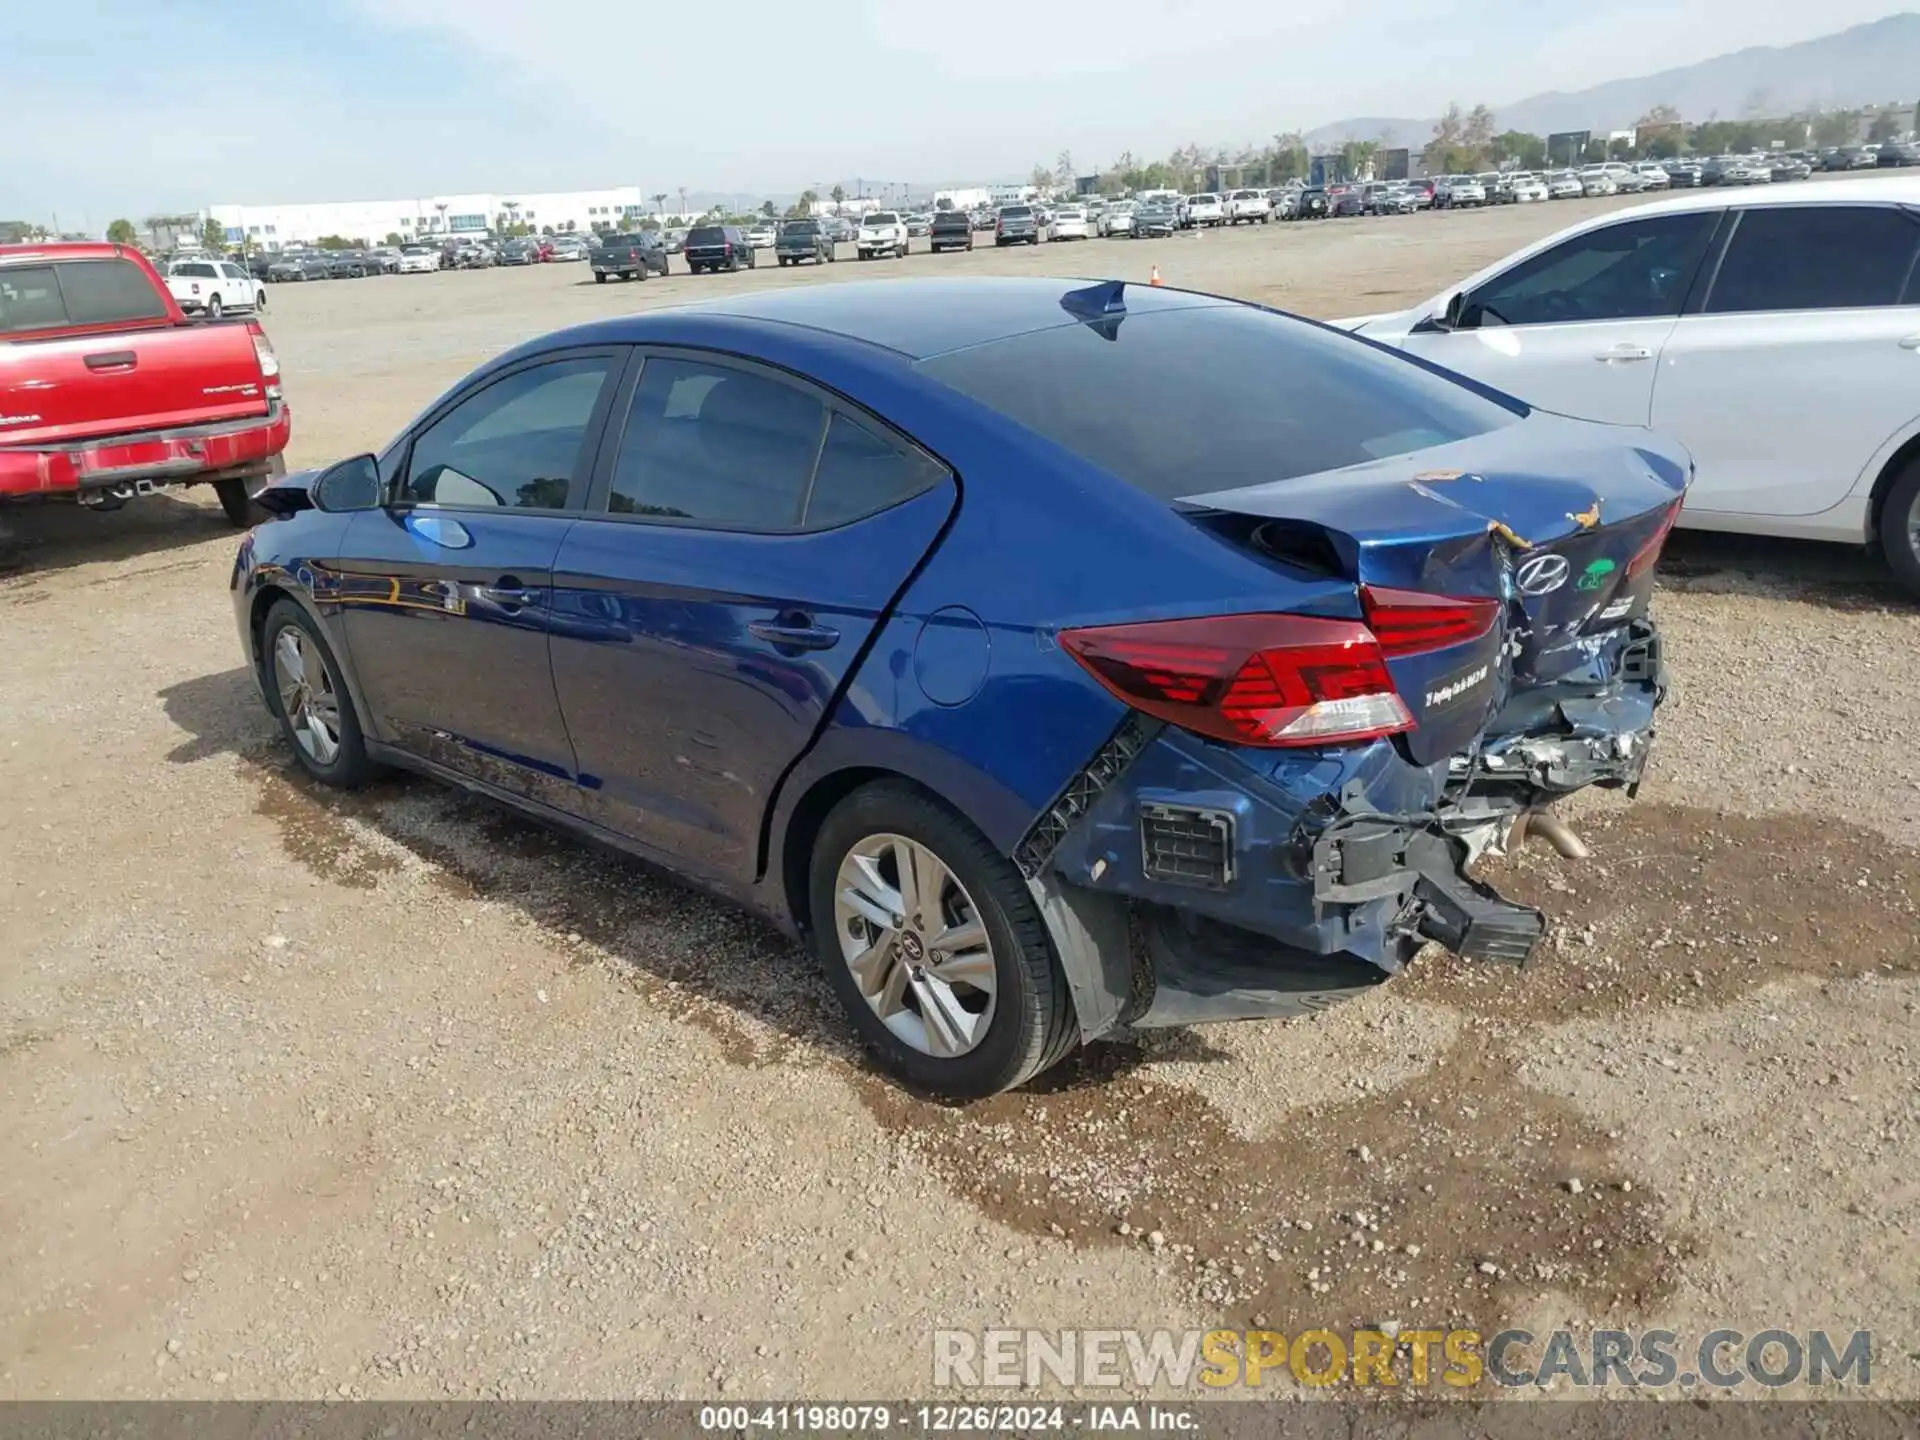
[1578, 328]
[236, 285]
[1804, 362]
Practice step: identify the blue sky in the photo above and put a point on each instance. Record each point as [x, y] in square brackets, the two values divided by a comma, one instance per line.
[131, 106]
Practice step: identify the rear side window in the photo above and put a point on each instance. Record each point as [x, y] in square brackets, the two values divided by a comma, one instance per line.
[862, 472]
[1636, 270]
[82, 292]
[1829, 257]
[30, 299]
[716, 445]
[516, 443]
[1189, 401]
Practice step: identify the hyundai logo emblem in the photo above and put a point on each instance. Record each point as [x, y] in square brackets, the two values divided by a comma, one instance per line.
[1542, 575]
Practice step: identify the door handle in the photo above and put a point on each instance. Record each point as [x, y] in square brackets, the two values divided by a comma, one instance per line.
[113, 360]
[1910, 342]
[795, 632]
[508, 593]
[1625, 352]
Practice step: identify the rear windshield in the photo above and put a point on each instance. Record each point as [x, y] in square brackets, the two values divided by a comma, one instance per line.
[76, 292]
[800, 227]
[951, 217]
[707, 235]
[883, 217]
[1218, 397]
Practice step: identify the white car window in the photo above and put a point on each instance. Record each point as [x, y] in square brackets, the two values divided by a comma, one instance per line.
[1637, 269]
[1834, 257]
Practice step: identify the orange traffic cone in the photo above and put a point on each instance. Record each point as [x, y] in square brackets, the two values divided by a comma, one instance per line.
[1154, 277]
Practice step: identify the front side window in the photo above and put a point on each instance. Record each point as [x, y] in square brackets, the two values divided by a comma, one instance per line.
[516, 443]
[1639, 269]
[1829, 257]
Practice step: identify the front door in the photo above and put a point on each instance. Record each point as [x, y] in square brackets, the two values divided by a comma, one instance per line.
[1579, 328]
[1804, 362]
[747, 537]
[446, 595]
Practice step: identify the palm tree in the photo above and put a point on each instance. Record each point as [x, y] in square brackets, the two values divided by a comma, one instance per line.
[659, 200]
[683, 202]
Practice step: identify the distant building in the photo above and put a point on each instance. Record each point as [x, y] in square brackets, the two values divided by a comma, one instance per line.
[975, 197]
[275, 227]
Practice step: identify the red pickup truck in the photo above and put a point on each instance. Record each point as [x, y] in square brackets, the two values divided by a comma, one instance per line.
[107, 390]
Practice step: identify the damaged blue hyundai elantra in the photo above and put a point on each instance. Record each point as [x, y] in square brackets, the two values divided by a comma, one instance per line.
[1052, 657]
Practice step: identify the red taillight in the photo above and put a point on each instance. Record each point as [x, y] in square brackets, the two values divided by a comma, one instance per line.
[729, 247]
[633, 254]
[1649, 553]
[1411, 622]
[1268, 680]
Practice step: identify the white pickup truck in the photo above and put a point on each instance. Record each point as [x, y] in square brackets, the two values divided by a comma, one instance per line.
[1250, 206]
[214, 287]
[881, 233]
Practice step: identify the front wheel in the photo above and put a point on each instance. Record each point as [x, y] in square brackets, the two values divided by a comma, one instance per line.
[931, 940]
[1900, 529]
[310, 699]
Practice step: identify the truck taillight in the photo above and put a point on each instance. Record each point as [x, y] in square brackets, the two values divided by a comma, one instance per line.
[268, 361]
[1265, 680]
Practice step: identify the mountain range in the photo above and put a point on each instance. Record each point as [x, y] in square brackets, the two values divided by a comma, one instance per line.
[1872, 64]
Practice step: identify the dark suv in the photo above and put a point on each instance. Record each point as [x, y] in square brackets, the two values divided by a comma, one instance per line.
[951, 230]
[718, 247]
[803, 240]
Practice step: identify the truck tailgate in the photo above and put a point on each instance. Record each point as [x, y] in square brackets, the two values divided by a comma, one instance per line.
[76, 387]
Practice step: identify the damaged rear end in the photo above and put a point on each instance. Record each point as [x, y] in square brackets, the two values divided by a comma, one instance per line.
[1297, 797]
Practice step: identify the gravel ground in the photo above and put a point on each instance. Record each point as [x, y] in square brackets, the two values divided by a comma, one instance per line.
[397, 1096]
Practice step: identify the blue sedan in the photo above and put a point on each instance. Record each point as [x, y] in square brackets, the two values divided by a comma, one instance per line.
[1050, 656]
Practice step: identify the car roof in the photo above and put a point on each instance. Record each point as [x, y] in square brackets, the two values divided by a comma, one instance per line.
[1894, 189]
[64, 250]
[915, 318]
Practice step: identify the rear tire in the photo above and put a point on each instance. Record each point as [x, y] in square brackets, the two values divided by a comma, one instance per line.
[214, 308]
[238, 502]
[599, 278]
[1900, 529]
[1031, 1023]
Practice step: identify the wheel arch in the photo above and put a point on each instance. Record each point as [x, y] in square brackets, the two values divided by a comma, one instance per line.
[809, 795]
[260, 604]
[1896, 465]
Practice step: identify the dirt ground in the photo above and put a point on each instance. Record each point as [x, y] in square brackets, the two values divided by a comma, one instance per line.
[396, 1096]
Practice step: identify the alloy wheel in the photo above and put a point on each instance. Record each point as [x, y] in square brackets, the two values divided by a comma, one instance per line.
[307, 696]
[916, 945]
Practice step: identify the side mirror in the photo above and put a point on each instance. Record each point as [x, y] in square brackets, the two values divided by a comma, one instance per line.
[349, 485]
[1456, 312]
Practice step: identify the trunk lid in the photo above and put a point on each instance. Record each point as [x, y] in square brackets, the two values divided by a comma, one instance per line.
[120, 382]
[1547, 516]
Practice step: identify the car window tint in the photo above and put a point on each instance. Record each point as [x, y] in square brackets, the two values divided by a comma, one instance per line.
[861, 472]
[1638, 269]
[108, 292]
[1184, 402]
[1815, 258]
[516, 443]
[716, 445]
[30, 299]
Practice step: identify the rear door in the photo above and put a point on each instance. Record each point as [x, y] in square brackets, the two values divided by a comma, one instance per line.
[1578, 328]
[128, 369]
[1802, 363]
[446, 595]
[747, 536]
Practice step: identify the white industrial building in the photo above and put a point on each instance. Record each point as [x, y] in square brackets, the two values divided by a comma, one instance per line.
[274, 227]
